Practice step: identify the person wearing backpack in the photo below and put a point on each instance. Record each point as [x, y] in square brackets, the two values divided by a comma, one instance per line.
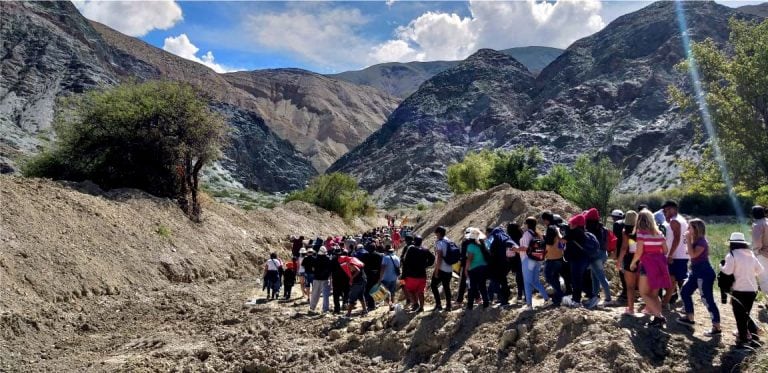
[575, 240]
[477, 267]
[443, 272]
[273, 269]
[650, 260]
[553, 261]
[745, 268]
[497, 243]
[597, 264]
[390, 272]
[531, 266]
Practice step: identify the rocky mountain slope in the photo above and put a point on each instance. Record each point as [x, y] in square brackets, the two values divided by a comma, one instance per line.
[300, 121]
[605, 94]
[758, 10]
[322, 117]
[402, 79]
[471, 105]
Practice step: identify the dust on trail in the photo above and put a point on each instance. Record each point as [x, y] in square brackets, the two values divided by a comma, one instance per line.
[87, 284]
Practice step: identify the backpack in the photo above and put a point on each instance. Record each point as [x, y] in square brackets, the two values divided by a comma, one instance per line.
[612, 242]
[536, 249]
[591, 246]
[452, 253]
[498, 247]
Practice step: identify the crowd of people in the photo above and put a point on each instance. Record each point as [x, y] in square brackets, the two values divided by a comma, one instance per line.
[661, 257]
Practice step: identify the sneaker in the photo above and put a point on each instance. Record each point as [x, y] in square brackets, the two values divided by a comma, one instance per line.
[547, 303]
[685, 321]
[657, 322]
[437, 309]
[528, 308]
[592, 303]
[713, 332]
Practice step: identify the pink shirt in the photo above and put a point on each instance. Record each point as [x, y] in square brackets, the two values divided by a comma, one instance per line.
[652, 243]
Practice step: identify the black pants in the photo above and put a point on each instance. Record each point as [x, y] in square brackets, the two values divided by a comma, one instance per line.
[741, 302]
[478, 279]
[565, 273]
[340, 294]
[517, 267]
[500, 276]
[580, 275]
[443, 278]
[462, 286]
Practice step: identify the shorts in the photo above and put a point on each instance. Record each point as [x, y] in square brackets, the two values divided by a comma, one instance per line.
[415, 285]
[628, 262]
[308, 278]
[356, 292]
[390, 285]
[679, 269]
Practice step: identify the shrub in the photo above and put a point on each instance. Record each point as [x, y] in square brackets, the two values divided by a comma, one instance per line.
[559, 180]
[480, 170]
[154, 136]
[593, 184]
[337, 192]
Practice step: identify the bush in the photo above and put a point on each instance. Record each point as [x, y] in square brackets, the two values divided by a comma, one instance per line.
[559, 180]
[480, 170]
[154, 136]
[594, 183]
[337, 192]
[696, 204]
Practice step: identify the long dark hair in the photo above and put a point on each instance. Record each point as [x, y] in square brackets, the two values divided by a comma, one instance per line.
[515, 232]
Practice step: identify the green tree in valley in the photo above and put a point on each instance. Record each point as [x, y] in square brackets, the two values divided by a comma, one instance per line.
[337, 192]
[155, 136]
[480, 170]
[559, 179]
[593, 183]
[736, 86]
[472, 173]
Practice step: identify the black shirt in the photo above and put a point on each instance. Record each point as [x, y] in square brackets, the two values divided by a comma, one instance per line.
[308, 264]
[416, 262]
[572, 250]
[550, 235]
[322, 267]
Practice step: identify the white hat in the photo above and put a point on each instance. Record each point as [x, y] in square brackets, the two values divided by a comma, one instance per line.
[737, 237]
[322, 251]
[472, 233]
[302, 251]
[310, 251]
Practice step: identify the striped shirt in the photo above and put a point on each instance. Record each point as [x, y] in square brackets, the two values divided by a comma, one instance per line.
[652, 243]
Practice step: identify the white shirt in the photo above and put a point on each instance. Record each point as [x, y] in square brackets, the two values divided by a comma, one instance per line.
[682, 247]
[743, 265]
[273, 264]
[301, 266]
[442, 247]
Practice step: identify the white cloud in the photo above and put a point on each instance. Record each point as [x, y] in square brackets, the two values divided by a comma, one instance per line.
[323, 35]
[183, 47]
[134, 18]
[496, 25]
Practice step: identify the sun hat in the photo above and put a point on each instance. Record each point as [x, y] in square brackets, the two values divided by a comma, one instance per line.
[322, 251]
[310, 251]
[737, 237]
[472, 233]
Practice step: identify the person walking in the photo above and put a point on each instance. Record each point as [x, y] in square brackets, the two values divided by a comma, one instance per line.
[760, 243]
[624, 264]
[701, 276]
[307, 263]
[442, 273]
[553, 260]
[321, 284]
[272, 270]
[415, 263]
[597, 265]
[515, 233]
[650, 260]
[678, 257]
[390, 271]
[578, 259]
[476, 267]
[531, 268]
[745, 268]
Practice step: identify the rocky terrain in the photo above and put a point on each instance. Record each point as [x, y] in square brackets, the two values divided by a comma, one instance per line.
[605, 94]
[304, 121]
[322, 117]
[120, 281]
[402, 79]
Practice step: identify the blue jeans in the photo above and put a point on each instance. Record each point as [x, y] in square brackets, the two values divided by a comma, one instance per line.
[531, 270]
[552, 270]
[597, 267]
[702, 277]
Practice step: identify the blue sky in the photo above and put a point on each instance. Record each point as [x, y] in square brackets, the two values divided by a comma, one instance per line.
[331, 37]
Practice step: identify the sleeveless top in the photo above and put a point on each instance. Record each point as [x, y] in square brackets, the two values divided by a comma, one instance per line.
[682, 247]
[652, 243]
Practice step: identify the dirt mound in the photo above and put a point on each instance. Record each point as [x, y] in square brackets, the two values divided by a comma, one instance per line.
[499, 205]
[61, 243]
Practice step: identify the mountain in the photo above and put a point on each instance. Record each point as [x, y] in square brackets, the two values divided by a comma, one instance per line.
[469, 106]
[760, 10]
[322, 117]
[287, 124]
[402, 79]
[605, 94]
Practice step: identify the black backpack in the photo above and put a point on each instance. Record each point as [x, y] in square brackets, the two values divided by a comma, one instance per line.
[452, 253]
[537, 250]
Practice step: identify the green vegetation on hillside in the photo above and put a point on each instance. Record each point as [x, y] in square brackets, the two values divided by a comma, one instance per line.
[589, 183]
[155, 136]
[337, 192]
